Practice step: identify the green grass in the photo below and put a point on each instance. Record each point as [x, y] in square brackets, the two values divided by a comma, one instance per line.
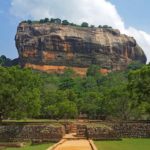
[33, 147]
[125, 144]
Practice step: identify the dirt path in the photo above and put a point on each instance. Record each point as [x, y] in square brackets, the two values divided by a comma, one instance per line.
[73, 142]
[74, 145]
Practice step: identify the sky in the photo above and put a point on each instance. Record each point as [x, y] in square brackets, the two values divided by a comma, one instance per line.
[131, 17]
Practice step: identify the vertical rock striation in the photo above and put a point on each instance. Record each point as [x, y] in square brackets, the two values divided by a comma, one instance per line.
[51, 47]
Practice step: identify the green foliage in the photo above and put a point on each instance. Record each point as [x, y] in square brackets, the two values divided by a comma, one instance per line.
[29, 22]
[92, 26]
[106, 26]
[135, 65]
[66, 83]
[4, 61]
[84, 24]
[25, 93]
[41, 21]
[139, 89]
[100, 26]
[93, 70]
[19, 93]
[46, 20]
[57, 20]
[65, 22]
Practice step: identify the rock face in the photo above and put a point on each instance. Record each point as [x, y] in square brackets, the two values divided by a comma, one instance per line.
[52, 47]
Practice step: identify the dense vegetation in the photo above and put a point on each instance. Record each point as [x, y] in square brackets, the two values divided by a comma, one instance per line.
[64, 22]
[7, 62]
[25, 93]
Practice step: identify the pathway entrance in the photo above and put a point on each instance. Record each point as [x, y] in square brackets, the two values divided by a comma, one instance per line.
[74, 145]
[72, 141]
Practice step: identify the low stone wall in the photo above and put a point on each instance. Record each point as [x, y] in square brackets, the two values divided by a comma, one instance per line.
[35, 133]
[132, 129]
[114, 130]
[98, 133]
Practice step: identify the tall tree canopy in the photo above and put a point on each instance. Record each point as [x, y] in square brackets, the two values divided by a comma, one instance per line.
[19, 93]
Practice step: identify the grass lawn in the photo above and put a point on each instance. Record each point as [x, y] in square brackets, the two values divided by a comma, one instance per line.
[125, 144]
[33, 147]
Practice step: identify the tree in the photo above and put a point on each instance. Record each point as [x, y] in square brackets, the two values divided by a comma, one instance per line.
[135, 65]
[65, 22]
[42, 21]
[139, 83]
[66, 83]
[2, 60]
[93, 70]
[68, 73]
[67, 109]
[29, 22]
[19, 93]
[46, 20]
[7, 62]
[89, 84]
[84, 24]
[139, 89]
[92, 104]
[57, 21]
[100, 26]
[118, 102]
[106, 26]
[92, 26]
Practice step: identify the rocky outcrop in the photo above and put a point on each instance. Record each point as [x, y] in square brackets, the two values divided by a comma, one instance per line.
[52, 47]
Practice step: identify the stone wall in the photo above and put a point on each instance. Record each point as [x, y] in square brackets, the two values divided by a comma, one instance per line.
[99, 133]
[132, 129]
[114, 130]
[41, 133]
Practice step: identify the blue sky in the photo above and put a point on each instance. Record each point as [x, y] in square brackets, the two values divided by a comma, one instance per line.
[130, 16]
[134, 13]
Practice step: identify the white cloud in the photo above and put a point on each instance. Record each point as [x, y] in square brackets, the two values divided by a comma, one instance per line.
[97, 12]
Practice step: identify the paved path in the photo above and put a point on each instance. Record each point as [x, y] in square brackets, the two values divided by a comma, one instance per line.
[74, 145]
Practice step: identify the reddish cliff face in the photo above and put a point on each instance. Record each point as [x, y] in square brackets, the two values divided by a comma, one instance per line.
[52, 48]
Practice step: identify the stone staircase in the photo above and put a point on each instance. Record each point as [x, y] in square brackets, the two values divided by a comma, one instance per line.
[76, 132]
[73, 128]
[81, 132]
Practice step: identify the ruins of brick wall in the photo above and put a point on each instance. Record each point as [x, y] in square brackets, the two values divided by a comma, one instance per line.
[115, 130]
[99, 133]
[48, 132]
[132, 129]
[43, 133]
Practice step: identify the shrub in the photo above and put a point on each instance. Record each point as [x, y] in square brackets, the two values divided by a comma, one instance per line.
[84, 24]
[65, 22]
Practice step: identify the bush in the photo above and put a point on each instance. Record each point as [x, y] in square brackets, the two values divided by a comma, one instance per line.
[65, 22]
[29, 22]
[92, 26]
[106, 26]
[41, 21]
[46, 20]
[100, 26]
[84, 24]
